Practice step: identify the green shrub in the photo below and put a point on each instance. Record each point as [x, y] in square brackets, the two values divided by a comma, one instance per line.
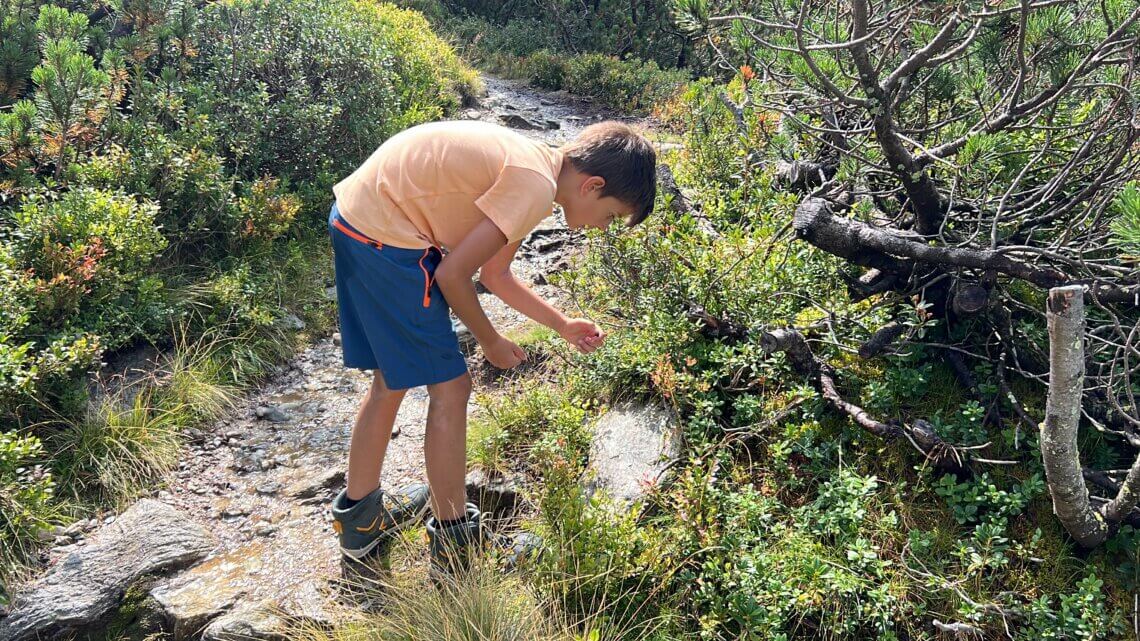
[300, 88]
[629, 85]
[88, 253]
[189, 183]
[547, 69]
[26, 492]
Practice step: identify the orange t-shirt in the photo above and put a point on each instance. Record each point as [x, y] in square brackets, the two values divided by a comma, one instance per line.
[432, 183]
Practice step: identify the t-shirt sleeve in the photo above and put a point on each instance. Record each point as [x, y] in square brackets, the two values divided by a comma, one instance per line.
[518, 200]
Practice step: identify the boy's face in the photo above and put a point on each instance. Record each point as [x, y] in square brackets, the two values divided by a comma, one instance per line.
[587, 208]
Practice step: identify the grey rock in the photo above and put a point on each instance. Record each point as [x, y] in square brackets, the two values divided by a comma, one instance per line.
[273, 414]
[287, 571]
[269, 488]
[467, 342]
[83, 586]
[311, 482]
[336, 339]
[632, 446]
[245, 623]
[472, 114]
[291, 321]
[552, 124]
[518, 121]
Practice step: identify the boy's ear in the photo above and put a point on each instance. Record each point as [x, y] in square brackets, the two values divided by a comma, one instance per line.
[592, 183]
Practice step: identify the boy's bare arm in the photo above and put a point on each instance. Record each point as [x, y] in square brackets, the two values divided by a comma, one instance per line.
[454, 278]
[497, 277]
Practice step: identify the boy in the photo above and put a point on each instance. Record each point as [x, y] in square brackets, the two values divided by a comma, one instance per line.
[476, 190]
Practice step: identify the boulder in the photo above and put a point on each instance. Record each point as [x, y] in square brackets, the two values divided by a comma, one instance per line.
[633, 444]
[286, 570]
[84, 586]
[518, 121]
[246, 623]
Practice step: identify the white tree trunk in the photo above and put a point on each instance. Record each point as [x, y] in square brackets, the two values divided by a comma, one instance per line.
[1066, 315]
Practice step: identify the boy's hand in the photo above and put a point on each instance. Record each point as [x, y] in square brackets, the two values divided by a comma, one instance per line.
[504, 354]
[582, 334]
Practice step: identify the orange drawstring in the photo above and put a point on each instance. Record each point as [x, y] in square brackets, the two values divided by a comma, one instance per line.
[352, 234]
[427, 278]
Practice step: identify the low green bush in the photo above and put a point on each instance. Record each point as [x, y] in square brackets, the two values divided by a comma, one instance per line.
[623, 84]
[547, 69]
[26, 496]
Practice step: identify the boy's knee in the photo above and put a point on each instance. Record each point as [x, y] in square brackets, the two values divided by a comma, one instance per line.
[456, 389]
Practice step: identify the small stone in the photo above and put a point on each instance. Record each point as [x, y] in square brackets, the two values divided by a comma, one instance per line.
[63, 540]
[109, 520]
[272, 414]
[268, 488]
[520, 122]
[330, 293]
[472, 114]
[336, 339]
[553, 124]
[291, 321]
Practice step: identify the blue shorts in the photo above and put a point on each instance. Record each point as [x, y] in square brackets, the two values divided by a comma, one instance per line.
[392, 314]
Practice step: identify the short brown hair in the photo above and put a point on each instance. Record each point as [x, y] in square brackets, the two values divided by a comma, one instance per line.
[624, 158]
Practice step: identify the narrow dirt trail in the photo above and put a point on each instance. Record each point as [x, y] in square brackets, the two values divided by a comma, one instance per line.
[261, 480]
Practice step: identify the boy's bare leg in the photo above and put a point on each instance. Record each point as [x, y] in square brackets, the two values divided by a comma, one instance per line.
[370, 437]
[445, 446]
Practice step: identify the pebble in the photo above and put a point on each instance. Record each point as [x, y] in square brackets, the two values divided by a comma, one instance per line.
[271, 414]
[268, 488]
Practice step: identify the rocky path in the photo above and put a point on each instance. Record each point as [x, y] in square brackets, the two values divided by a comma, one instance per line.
[254, 489]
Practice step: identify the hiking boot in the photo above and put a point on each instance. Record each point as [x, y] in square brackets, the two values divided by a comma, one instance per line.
[376, 518]
[452, 548]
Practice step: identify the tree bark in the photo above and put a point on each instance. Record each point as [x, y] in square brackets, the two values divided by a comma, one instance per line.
[1065, 311]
